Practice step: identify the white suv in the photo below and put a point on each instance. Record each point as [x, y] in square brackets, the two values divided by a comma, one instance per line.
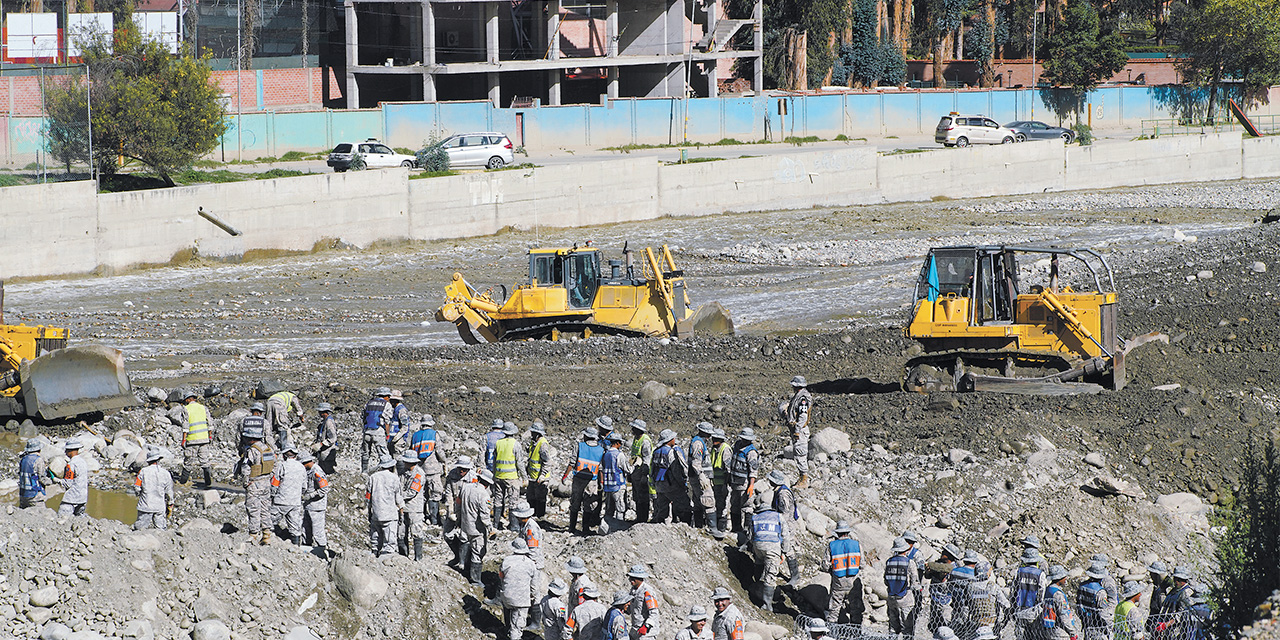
[487, 149]
[955, 130]
[376, 156]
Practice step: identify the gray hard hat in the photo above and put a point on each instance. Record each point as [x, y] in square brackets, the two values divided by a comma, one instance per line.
[72, 445]
[639, 425]
[324, 406]
[575, 565]
[604, 422]
[1096, 570]
[817, 625]
[464, 462]
[944, 633]
[558, 587]
[290, 449]
[911, 536]
[590, 433]
[427, 420]
[486, 476]
[952, 551]
[1182, 573]
[1030, 556]
[32, 445]
[1057, 572]
[718, 434]
[799, 381]
[154, 454]
[522, 510]
[510, 429]
[498, 423]
[1031, 541]
[620, 598]
[705, 427]
[970, 556]
[257, 406]
[666, 436]
[538, 427]
[409, 456]
[386, 462]
[721, 593]
[1130, 590]
[1157, 568]
[697, 612]
[189, 393]
[985, 632]
[900, 545]
[397, 395]
[637, 571]
[613, 437]
[762, 507]
[843, 527]
[383, 391]
[590, 591]
[748, 434]
[306, 457]
[776, 477]
[1100, 557]
[520, 546]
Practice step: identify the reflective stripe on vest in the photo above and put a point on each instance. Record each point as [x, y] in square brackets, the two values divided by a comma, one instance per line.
[504, 460]
[661, 462]
[252, 422]
[268, 463]
[719, 472]
[28, 479]
[534, 465]
[530, 539]
[846, 557]
[285, 398]
[589, 458]
[611, 478]
[768, 527]
[1090, 597]
[1027, 581]
[424, 442]
[895, 575]
[373, 413]
[197, 424]
[1049, 615]
[1121, 621]
[637, 446]
[740, 467]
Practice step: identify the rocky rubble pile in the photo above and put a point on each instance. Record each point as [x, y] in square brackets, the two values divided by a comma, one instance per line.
[1258, 195]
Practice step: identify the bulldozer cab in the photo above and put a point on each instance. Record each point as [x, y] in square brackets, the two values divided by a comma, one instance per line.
[577, 270]
[986, 276]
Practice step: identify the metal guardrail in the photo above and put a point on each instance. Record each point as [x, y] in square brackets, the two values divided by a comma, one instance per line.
[1267, 124]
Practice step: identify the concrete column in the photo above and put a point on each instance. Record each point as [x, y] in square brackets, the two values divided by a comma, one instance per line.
[428, 87]
[353, 48]
[428, 33]
[553, 86]
[611, 31]
[491, 31]
[713, 90]
[713, 16]
[553, 33]
[613, 83]
[757, 45]
[495, 88]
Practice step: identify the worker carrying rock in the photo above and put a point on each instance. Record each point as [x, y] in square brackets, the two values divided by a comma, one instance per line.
[796, 411]
[154, 488]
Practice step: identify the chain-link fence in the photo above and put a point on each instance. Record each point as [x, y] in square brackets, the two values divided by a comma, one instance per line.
[976, 611]
[54, 148]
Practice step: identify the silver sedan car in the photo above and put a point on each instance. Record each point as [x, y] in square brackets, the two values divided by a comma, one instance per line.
[1035, 130]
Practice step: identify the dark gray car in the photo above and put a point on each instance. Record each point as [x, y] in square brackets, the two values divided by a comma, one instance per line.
[1036, 130]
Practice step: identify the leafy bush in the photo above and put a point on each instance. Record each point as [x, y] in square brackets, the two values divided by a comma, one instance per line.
[357, 162]
[432, 158]
[1246, 552]
[1084, 133]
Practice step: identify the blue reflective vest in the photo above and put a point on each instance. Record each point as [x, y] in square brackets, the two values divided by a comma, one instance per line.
[606, 633]
[589, 456]
[846, 557]
[895, 575]
[1089, 598]
[767, 527]
[28, 476]
[777, 502]
[424, 441]
[1049, 615]
[611, 478]
[1027, 581]
[373, 411]
[491, 447]
[740, 466]
[399, 419]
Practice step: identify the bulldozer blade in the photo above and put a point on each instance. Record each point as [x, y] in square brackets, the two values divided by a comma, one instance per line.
[464, 332]
[76, 380]
[712, 318]
[1138, 341]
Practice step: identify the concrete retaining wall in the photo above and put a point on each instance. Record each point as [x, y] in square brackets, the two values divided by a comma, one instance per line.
[75, 230]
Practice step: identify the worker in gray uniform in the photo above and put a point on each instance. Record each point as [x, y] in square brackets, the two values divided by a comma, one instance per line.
[325, 446]
[519, 588]
[413, 491]
[288, 480]
[1057, 619]
[784, 502]
[315, 504]
[477, 507]
[796, 411]
[644, 604]
[382, 493]
[902, 584]
[728, 623]
[767, 540]
[698, 628]
[553, 611]
[258, 464]
[670, 480]
[587, 619]
[154, 488]
[1108, 581]
[701, 498]
[743, 470]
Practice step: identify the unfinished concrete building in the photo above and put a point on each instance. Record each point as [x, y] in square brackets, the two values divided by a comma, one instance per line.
[555, 51]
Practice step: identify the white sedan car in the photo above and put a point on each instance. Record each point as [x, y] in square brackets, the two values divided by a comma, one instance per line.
[376, 156]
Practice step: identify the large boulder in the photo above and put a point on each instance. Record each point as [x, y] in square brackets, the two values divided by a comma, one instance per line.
[654, 390]
[875, 540]
[360, 587]
[210, 630]
[830, 441]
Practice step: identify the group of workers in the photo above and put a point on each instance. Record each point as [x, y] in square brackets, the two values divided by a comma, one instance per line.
[706, 483]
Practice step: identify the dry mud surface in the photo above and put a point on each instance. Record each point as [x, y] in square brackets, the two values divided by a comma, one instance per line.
[821, 293]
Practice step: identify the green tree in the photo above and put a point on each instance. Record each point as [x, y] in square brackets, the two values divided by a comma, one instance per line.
[818, 19]
[66, 131]
[1246, 553]
[149, 106]
[1236, 40]
[1080, 54]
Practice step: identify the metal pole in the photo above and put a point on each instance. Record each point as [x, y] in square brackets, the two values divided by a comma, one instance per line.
[1034, 15]
[88, 108]
[41, 152]
[239, 60]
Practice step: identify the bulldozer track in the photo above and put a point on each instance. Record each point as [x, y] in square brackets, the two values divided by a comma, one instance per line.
[538, 330]
[1034, 358]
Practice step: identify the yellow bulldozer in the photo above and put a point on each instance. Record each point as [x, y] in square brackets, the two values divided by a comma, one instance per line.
[981, 328]
[568, 292]
[42, 378]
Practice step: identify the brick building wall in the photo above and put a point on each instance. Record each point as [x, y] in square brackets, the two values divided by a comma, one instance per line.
[265, 89]
[1015, 73]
